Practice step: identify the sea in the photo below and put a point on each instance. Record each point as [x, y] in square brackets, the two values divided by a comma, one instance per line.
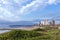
[13, 26]
[4, 26]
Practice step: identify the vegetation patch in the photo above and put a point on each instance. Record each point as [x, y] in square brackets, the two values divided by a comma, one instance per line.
[37, 34]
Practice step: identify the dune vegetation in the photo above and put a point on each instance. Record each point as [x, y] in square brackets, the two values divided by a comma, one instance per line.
[37, 34]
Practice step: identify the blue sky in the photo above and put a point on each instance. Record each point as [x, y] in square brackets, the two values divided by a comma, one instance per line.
[17, 10]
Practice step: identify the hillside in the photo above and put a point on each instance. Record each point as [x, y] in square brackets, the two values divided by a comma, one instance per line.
[38, 34]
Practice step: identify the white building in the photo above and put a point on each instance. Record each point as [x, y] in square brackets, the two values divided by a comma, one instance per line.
[45, 22]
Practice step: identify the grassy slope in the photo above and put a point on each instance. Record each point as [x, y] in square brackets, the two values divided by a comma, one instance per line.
[37, 34]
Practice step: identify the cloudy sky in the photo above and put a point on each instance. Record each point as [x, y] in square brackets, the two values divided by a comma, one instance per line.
[16, 10]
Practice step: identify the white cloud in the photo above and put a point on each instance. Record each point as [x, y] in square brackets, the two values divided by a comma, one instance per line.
[13, 10]
[21, 1]
[1, 17]
[5, 12]
[52, 1]
[33, 6]
[4, 2]
[7, 15]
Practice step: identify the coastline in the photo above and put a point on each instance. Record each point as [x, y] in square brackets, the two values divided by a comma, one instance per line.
[20, 28]
[3, 30]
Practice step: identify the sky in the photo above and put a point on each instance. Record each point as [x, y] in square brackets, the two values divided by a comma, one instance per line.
[17, 10]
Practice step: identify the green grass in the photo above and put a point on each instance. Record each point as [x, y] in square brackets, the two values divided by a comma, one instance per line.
[37, 34]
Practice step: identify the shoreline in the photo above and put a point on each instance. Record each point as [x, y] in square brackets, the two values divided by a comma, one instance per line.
[4, 30]
[20, 28]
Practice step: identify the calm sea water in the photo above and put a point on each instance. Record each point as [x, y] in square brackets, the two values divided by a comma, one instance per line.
[4, 26]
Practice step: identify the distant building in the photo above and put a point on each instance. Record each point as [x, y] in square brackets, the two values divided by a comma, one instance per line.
[52, 22]
[45, 22]
[42, 22]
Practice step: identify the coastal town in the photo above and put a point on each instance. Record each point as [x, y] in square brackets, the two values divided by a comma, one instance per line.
[51, 23]
[41, 24]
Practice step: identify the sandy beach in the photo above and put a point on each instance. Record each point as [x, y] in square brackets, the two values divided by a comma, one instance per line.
[20, 28]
